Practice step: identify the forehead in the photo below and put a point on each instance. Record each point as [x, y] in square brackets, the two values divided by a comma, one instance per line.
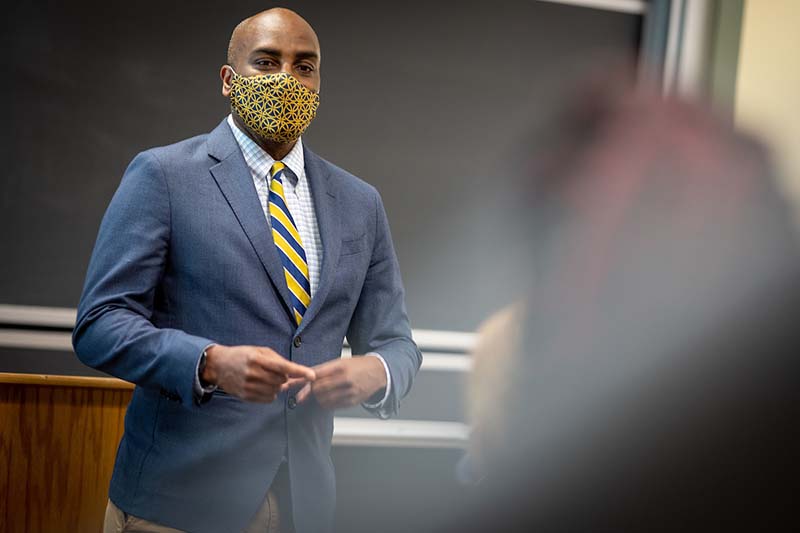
[286, 34]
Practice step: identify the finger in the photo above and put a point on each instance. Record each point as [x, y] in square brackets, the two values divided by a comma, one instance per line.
[337, 399]
[259, 394]
[274, 378]
[275, 363]
[259, 376]
[292, 383]
[329, 369]
[299, 371]
[304, 393]
[325, 386]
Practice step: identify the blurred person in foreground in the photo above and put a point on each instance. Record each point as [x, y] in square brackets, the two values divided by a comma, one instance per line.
[652, 382]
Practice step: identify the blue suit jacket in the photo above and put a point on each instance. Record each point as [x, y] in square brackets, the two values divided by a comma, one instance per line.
[184, 257]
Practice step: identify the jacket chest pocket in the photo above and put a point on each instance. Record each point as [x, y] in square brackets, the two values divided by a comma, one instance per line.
[354, 246]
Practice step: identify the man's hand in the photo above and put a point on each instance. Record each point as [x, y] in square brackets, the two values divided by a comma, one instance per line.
[252, 373]
[343, 382]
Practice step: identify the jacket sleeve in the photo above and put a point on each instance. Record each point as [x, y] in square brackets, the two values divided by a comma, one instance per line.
[380, 322]
[114, 332]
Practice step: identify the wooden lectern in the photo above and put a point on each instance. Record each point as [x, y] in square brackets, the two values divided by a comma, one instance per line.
[58, 441]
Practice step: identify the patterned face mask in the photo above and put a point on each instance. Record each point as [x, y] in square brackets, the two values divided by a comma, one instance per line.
[273, 106]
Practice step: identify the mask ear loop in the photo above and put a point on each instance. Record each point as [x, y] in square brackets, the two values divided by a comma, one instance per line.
[235, 74]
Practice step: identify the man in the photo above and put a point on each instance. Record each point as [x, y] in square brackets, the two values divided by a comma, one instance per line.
[227, 271]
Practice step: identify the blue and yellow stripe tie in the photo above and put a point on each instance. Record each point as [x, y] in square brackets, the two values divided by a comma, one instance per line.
[289, 243]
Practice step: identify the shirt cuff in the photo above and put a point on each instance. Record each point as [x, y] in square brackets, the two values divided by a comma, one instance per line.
[199, 389]
[379, 405]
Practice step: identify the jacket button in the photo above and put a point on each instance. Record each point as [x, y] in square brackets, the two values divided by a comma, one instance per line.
[292, 402]
[297, 341]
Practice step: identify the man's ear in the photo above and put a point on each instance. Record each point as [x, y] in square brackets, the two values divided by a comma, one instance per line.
[226, 74]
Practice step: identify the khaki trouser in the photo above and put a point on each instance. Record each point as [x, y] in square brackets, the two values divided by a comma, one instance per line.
[266, 520]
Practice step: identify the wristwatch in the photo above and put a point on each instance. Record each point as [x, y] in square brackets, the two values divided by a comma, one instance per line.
[200, 368]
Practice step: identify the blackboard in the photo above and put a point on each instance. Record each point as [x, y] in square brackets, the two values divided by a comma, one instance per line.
[424, 100]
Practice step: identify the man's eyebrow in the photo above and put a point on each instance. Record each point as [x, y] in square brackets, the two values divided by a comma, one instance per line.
[307, 55]
[277, 53]
[266, 51]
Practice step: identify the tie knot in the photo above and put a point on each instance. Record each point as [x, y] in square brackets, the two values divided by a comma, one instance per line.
[276, 168]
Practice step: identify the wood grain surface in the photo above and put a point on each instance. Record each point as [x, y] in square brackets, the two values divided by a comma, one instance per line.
[58, 441]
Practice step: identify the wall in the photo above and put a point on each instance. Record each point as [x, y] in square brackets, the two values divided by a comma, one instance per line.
[768, 82]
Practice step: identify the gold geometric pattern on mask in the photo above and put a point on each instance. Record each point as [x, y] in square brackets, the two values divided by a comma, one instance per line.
[275, 106]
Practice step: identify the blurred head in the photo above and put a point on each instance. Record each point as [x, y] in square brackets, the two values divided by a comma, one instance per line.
[653, 389]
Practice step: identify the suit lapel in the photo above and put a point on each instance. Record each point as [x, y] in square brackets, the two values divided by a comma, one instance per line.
[326, 206]
[234, 180]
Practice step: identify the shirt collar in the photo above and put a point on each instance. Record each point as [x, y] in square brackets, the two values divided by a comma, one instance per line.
[259, 161]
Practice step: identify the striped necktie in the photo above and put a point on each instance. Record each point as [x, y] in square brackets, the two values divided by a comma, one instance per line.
[290, 246]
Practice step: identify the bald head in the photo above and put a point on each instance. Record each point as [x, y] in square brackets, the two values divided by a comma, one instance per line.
[276, 24]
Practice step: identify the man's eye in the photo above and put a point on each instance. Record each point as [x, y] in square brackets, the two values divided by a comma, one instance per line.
[306, 69]
[265, 62]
